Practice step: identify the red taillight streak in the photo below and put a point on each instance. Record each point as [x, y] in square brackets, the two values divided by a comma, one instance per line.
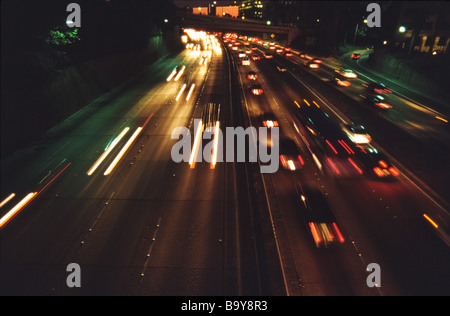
[331, 146]
[314, 232]
[383, 105]
[355, 165]
[394, 171]
[382, 164]
[346, 147]
[338, 232]
[334, 166]
[147, 120]
[54, 178]
[301, 160]
[378, 171]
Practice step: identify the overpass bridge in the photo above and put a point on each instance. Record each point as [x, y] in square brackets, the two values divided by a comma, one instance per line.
[260, 29]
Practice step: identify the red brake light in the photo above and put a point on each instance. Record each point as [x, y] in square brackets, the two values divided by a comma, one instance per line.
[378, 171]
[314, 232]
[383, 105]
[383, 164]
[338, 232]
[394, 171]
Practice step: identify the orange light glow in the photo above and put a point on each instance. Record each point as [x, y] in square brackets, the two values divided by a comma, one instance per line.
[314, 232]
[394, 171]
[11, 196]
[216, 146]
[338, 232]
[106, 153]
[8, 216]
[181, 92]
[122, 152]
[430, 221]
[196, 144]
[190, 92]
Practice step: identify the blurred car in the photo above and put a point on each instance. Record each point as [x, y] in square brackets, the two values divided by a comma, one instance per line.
[290, 156]
[288, 54]
[256, 57]
[339, 80]
[245, 61]
[279, 50]
[268, 55]
[256, 89]
[356, 133]
[311, 65]
[281, 68]
[376, 88]
[356, 56]
[376, 162]
[269, 120]
[302, 54]
[377, 101]
[317, 60]
[319, 217]
[242, 54]
[251, 75]
[347, 73]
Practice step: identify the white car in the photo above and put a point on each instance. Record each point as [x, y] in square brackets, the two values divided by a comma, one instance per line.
[246, 61]
[347, 73]
[357, 133]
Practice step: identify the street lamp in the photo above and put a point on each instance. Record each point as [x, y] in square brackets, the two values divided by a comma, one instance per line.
[402, 29]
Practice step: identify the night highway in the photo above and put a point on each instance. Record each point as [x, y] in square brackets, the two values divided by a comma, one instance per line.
[151, 187]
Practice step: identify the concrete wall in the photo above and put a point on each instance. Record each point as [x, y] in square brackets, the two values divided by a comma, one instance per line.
[401, 71]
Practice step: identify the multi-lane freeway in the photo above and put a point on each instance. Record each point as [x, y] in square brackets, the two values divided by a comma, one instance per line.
[104, 189]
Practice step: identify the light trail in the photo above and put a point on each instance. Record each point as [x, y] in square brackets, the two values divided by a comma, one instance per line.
[196, 144]
[430, 221]
[173, 73]
[122, 152]
[180, 73]
[216, 145]
[190, 92]
[106, 153]
[181, 91]
[5, 219]
[9, 198]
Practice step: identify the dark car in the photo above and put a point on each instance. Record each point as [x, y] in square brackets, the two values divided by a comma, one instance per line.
[269, 120]
[376, 163]
[251, 75]
[319, 217]
[339, 80]
[290, 156]
[376, 88]
[256, 89]
[356, 56]
[312, 65]
[377, 101]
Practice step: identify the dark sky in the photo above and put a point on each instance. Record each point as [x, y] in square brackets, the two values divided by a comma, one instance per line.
[201, 3]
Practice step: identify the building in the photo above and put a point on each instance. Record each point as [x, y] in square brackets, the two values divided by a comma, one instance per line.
[223, 11]
[200, 10]
[424, 26]
[251, 9]
[228, 11]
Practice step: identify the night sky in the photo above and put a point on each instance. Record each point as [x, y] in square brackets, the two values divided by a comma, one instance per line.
[199, 3]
